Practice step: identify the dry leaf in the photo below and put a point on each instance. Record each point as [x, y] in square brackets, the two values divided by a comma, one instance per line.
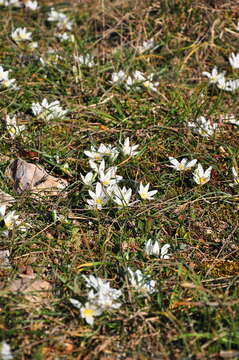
[5, 199]
[36, 291]
[31, 177]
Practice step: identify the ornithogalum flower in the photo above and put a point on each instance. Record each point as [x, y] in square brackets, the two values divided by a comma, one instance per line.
[88, 178]
[12, 127]
[144, 192]
[88, 311]
[234, 60]
[129, 150]
[48, 111]
[140, 282]
[98, 198]
[21, 34]
[215, 76]
[120, 196]
[32, 5]
[203, 126]
[201, 176]
[183, 165]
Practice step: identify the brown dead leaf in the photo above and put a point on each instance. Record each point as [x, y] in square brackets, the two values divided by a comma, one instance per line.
[35, 291]
[30, 177]
[5, 199]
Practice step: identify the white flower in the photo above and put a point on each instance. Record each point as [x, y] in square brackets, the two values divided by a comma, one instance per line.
[235, 177]
[229, 118]
[129, 150]
[48, 111]
[146, 45]
[109, 177]
[215, 76]
[103, 296]
[118, 76]
[237, 26]
[32, 5]
[62, 20]
[86, 60]
[5, 351]
[12, 127]
[108, 151]
[203, 126]
[3, 74]
[88, 311]
[66, 37]
[93, 154]
[144, 192]
[88, 178]
[120, 196]
[200, 176]
[140, 282]
[234, 60]
[164, 252]
[229, 85]
[151, 85]
[33, 45]
[8, 83]
[152, 248]
[97, 167]
[21, 34]
[99, 197]
[5, 82]
[183, 165]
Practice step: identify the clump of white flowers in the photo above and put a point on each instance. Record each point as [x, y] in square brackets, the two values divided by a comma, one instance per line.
[140, 282]
[153, 248]
[48, 111]
[220, 80]
[62, 21]
[31, 5]
[104, 180]
[13, 3]
[203, 126]
[146, 46]
[137, 79]
[5, 82]
[86, 60]
[101, 297]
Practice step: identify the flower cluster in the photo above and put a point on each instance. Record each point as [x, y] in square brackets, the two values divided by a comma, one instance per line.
[200, 176]
[203, 126]
[137, 79]
[101, 297]
[22, 36]
[107, 180]
[48, 111]
[5, 82]
[219, 79]
[140, 282]
[62, 20]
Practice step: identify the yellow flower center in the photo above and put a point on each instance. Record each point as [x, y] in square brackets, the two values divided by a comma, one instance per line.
[97, 156]
[99, 201]
[144, 195]
[88, 312]
[202, 180]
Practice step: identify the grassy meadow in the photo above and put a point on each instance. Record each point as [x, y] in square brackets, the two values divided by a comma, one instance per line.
[125, 69]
